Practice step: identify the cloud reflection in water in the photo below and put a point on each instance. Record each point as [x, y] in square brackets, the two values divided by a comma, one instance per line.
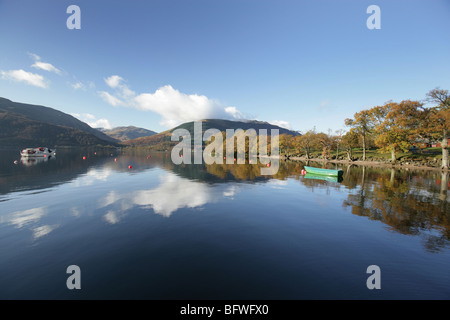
[172, 194]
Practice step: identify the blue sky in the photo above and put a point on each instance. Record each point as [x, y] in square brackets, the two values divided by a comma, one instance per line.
[154, 64]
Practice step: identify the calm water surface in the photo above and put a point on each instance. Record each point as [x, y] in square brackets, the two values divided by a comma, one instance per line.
[160, 231]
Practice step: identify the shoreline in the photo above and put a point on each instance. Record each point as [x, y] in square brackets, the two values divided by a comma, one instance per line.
[399, 165]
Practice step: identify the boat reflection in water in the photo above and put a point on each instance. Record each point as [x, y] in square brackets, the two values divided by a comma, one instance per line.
[220, 231]
[325, 178]
[27, 161]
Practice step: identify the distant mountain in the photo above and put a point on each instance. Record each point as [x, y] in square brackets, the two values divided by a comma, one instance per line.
[223, 125]
[27, 125]
[163, 141]
[127, 133]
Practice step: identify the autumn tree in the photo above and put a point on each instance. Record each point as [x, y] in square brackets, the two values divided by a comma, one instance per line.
[362, 125]
[349, 141]
[286, 143]
[338, 140]
[289, 143]
[439, 120]
[325, 141]
[306, 141]
[396, 125]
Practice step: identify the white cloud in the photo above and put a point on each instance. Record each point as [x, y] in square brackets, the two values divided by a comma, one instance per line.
[173, 106]
[176, 107]
[92, 121]
[324, 105]
[25, 76]
[89, 116]
[122, 90]
[38, 64]
[34, 56]
[281, 123]
[113, 81]
[235, 113]
[77, 85]
[100, 123]
[110, 99]
[45, 66]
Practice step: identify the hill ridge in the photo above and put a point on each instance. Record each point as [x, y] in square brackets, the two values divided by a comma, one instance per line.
[28, 125]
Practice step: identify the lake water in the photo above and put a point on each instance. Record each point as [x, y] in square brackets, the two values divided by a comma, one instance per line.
[160, 231]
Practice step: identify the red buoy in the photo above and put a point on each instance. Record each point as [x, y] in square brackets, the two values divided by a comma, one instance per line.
[84, 158]
[115, 160]
[130, 167]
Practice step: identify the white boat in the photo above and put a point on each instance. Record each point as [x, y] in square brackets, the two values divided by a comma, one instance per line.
[37, 152]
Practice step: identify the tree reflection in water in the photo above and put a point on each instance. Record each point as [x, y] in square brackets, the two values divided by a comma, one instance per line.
[410, 202]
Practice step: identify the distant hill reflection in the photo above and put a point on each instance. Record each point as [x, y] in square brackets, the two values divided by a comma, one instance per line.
[406, 201]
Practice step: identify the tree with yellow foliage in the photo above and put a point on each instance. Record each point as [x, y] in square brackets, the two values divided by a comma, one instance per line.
[396, 125]
[349, 141]
[306, 141]
[439, 120]
[362, 125]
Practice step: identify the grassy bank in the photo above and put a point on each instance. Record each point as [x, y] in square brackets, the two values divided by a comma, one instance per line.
[425, 158]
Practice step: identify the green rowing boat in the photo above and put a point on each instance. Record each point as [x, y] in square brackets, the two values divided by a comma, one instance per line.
[324, 172]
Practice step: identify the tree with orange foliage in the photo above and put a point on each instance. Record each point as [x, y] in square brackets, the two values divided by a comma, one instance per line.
[397, 125]
[326, 142]
[439, 120]
[362, 125]
[350, 141]
[306, 141]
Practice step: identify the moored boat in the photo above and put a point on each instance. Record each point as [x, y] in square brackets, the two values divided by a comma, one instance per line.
[324, 172]
[37, 152]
